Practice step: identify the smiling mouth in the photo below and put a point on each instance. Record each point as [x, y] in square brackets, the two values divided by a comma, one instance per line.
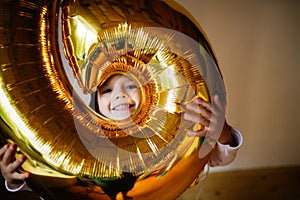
[122, 107]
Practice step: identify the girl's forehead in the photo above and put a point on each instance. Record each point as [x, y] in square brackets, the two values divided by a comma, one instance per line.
[116, 78]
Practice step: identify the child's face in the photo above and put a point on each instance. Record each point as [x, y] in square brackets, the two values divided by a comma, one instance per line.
[118, 97]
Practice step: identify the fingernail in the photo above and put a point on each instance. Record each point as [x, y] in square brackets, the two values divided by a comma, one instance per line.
[216, 97]
[20, 159]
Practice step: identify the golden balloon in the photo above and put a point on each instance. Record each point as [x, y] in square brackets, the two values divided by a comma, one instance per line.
[53, 54]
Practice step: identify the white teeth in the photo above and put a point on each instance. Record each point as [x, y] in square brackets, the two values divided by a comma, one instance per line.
[121, 107]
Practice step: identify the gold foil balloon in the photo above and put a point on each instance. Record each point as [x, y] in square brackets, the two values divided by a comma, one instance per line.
[53, 54]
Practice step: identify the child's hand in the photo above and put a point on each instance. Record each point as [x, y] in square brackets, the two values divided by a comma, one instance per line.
[205, 114]
[9, 166]
[212, 118]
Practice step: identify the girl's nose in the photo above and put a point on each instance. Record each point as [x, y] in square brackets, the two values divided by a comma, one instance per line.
[120, 93]
[119, 96]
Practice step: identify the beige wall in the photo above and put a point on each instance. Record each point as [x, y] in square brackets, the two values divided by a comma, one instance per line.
[258, 47]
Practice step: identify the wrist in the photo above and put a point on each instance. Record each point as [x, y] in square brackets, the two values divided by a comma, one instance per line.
[226, 136]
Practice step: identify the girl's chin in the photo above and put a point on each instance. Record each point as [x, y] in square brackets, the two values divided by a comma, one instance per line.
[120, 115]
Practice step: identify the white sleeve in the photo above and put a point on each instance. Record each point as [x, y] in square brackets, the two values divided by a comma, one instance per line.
[225, 154]
[24, 186]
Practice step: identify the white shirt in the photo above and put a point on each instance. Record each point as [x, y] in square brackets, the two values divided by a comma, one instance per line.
[224, 153]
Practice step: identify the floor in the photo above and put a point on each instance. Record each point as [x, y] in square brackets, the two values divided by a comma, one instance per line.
[267, 184]
[260, 184]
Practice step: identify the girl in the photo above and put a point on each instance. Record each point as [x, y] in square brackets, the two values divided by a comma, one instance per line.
[117, 99]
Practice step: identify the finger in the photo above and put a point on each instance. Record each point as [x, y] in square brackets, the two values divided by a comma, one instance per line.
[205, 113]
[205, 104]
[20, 176]
[3, 150]
[7, 157]
[192, 107]
[204, 110]
[218, 105]
[219, 98]
[196, 118]
[13, 167]
[192, 133]
[13, 157]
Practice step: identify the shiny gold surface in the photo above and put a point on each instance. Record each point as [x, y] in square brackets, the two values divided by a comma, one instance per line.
[41, 110]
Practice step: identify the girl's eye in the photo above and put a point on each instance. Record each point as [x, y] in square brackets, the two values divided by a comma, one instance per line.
[105, 91]
[130, 87]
